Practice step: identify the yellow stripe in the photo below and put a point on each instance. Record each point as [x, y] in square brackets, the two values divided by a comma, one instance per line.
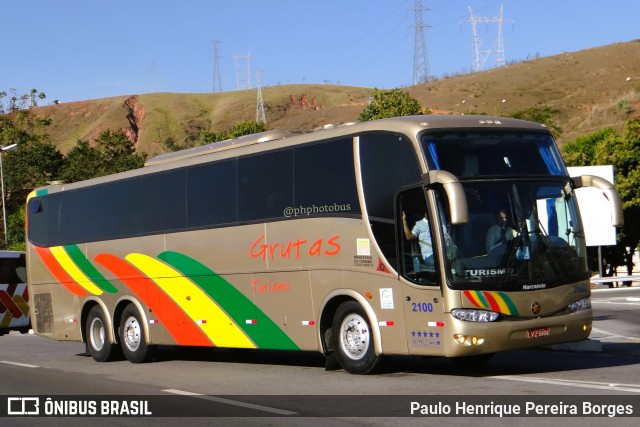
[504, 308]
[6, 320]
[219, 327]
[72, 269]
[476, 298]
[22, 304]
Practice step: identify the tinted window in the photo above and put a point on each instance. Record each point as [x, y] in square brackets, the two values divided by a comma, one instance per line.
[265, 185]
[211, 194]
[120, 203]
[254, 188]
[388, 163]
[492, 153]
[325, 182]
[164, 201]
[12, 269]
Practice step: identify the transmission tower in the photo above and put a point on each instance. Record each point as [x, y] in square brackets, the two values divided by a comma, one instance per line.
[480, 56]
[217, 85]
[421, 73]
[243, 71]
[260, 116]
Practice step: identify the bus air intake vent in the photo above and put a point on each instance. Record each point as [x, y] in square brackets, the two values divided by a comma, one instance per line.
[44, 313]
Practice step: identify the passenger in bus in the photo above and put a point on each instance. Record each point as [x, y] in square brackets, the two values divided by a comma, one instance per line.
[422, 234]
[499, 233]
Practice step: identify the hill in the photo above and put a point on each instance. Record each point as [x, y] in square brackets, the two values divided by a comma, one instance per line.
[592, 89]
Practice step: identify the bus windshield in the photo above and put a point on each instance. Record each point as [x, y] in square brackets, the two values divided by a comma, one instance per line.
[524, 230]
[474, 154]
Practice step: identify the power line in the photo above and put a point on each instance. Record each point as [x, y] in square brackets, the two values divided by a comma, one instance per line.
[243, 71]
[217, 84]
[260, 116]
[421, 72]
[480, 56]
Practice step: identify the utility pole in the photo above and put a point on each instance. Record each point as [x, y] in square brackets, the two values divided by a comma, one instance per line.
[217, 85]
[480, 56]
[260, 116]
[243, 75]
[421, 72]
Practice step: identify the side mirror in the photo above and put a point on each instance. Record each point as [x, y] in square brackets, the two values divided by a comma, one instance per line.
[609, 191]
[455, 193]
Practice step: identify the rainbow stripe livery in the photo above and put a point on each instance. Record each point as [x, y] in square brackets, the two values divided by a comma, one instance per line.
[494, 301]
[196, 305]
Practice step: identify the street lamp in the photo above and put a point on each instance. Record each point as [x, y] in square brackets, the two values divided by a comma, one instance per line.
[4, 210]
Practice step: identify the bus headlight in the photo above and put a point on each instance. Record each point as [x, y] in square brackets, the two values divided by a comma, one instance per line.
[472, 315]
[581, 304]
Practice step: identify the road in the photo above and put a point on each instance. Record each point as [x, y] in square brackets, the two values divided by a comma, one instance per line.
[283, 388]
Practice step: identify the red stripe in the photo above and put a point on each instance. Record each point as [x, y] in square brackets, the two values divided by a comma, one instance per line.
[470, 298]
[56, 269]
[492, 302]
[11, 306]
[179, 325]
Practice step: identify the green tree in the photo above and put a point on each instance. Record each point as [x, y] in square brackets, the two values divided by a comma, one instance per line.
[247, 127]
[113, 153]
[390, 103]
[35, 162]
[82, 162]
[544, 114]
[118, 153]
[608, 147]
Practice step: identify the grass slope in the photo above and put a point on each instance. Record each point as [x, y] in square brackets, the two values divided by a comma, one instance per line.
[589, 88]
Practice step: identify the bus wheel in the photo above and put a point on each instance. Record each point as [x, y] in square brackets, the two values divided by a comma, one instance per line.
[353, 339]
[134, 346]
[98, 344]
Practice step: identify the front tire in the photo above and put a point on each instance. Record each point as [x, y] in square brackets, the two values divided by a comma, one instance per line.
[98, 344]
[134, 345]
[353, 339]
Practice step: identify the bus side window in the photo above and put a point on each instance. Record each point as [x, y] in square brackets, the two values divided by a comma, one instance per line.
[415, 231]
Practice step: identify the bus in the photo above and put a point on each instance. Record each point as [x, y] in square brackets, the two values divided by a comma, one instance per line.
[14, 294]
[295, 241]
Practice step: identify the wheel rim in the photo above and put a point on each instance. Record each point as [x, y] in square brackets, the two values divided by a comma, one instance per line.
[97, 334]
[131, 333]
[354, 336]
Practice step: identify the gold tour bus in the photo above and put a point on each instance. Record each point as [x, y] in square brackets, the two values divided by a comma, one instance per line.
[357, 241]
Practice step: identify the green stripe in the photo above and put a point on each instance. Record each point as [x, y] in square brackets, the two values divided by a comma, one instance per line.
[510, 304]
[88, 269]
[266, 334]
[42, 192]
[483, 301]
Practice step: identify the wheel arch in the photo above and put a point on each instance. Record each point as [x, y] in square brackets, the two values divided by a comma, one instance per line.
[84, 315]
[113, 319]
[328, 309]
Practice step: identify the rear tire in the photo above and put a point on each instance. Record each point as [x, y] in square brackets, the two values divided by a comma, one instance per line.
[353, 339]
[134, 345]
[97, 337]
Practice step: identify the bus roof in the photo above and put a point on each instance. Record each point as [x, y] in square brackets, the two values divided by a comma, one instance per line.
[410, 124]
[407, 125]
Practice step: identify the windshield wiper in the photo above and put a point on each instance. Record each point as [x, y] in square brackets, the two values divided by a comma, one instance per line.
[516, 242]
[545, 240]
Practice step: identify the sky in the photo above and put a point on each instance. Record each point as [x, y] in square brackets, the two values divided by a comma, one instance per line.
[75, 50]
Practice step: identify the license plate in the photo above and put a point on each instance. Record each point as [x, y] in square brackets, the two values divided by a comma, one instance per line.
[537, 333]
